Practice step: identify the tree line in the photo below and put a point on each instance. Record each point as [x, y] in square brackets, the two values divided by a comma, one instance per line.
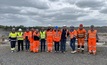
[102, 29]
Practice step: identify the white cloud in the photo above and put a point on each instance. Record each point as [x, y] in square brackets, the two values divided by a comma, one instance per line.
[55, 12]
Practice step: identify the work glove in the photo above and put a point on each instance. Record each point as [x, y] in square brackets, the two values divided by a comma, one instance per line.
[9, 39]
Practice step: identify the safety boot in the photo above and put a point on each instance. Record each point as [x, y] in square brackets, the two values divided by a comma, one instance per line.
[82, 51]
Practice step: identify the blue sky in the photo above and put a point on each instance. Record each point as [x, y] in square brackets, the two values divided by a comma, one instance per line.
[54, 12]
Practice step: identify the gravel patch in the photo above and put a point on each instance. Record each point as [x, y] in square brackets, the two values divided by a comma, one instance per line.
[44, 58]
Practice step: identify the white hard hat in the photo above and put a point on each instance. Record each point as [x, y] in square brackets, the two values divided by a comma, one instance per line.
[20, 29]
[49, 25]
[13, 28]
[64, 25]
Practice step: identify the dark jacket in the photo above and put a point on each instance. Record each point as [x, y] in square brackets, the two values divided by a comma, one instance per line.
[64, 33]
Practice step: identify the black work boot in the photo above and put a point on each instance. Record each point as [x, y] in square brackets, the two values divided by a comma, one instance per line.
[82, 51]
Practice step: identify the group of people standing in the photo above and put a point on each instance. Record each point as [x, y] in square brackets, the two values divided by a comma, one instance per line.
[35, 39]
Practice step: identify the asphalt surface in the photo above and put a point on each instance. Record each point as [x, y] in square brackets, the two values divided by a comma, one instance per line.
[44, 58]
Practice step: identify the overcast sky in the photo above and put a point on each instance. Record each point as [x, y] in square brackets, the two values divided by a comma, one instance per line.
[54, 12]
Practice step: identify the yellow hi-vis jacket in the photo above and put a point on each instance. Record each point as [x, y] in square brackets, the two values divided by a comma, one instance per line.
[20, 36]
[12, 36]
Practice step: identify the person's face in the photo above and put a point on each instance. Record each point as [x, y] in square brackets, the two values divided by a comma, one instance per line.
[27, 30]
[42, 29]
[72, 28]
[81, 27]
[20, 31]
[32, 29]
[56, 28]
[51, 29]
[37, 30]
[13, 30]
[92, 28]
[64, 27]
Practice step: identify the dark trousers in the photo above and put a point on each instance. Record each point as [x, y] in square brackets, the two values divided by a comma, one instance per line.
[20, 43]
[13, 44]
[63, 45]
[72, 43]
[56, 44]
[42, 45]
[27, 44]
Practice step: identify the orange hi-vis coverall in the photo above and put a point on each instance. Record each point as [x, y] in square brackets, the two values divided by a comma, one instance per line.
[49, 39]
[92, 37]
[31, 40]
[36, 42]
[81, 35]
[57, 36]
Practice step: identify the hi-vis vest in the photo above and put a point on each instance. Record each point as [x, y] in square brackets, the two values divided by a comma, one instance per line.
[57, 36]
[20, 36]
[26, 35]
[92, 34]
[73, 33]
[43, 35]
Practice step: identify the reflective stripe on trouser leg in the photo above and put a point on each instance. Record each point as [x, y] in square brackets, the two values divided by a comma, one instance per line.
[90, 45]
[94, 49]
[79, 47]
[50, 46]
[94, 45]
[12, 49]
[90, 49]
[82, 47]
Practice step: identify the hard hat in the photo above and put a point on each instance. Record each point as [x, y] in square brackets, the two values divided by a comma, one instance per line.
[81, 25]
[20, 29]
[49, 25]
[92, 26]
[56, 27]
[64, 25]
[13, 28]
[71, 26]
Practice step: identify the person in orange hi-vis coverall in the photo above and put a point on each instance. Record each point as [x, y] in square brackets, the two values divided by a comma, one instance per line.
[36, 42]
[49, 39]
[57, 38]
[31, 39]
[92, 38]
[81, 35]
[26, 38]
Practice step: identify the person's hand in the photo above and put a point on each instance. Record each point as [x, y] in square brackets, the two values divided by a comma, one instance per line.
[9, 40]
[66, 36]
[97, 40]
[87, 40]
